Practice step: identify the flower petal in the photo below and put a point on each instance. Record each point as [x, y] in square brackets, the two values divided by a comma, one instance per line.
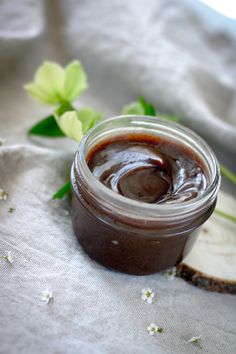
[152, 325]
[9, 257]
[38, 94]
[88, 118]
[75, 81]
[70, 125]
[48, 83]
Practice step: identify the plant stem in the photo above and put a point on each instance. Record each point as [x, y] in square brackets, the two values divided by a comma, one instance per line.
[225, 215]
[228, 174]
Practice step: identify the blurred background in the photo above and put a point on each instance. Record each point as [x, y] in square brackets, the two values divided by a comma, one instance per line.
[179, 55]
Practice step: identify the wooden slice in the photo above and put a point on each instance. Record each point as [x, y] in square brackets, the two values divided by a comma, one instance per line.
[211, 264]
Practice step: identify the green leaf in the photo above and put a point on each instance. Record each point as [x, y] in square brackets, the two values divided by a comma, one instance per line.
[65, 189]
[70, 124]
[133, 108]
[225, 215]
[75, 81]
[46, 127]
[148, 108]
[228, 174]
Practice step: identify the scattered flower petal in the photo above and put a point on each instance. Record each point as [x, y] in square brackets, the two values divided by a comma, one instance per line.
[3, 195]
[8, 258]
[196, 341]
[47, 296]
[153, 329]
[170, 273]
[147, 295]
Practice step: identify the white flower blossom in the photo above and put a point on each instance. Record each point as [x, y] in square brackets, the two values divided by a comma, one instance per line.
[170, 273]
[196, 341]
[153, 329]
[47, 296]
[147, 295]
[9, 257]
[3, 194]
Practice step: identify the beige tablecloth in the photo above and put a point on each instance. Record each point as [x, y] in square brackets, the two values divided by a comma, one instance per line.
[178, 58]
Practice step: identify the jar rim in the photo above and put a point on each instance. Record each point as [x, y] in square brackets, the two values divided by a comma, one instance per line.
[150, 211]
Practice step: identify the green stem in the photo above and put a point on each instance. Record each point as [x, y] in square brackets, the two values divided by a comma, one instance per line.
[225, 215]
[66, 188]
[228, 174]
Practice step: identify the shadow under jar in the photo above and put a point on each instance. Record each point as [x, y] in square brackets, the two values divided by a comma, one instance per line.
[142, 187]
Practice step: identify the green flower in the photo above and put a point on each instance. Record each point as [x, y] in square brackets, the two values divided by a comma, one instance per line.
[54, 84]
[75, 124]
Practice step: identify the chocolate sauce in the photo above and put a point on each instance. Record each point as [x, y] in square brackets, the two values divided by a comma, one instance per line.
[148, 169]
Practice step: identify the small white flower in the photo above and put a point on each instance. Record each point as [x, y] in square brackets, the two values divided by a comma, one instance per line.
[3, 194]
[47, 296]
[9, 257]
[115, 242]
[196, 341]
[170, 273]
[147, 295]
[66, 212]
[153, 329]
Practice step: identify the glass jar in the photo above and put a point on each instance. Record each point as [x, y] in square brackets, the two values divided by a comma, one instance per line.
[132, 236]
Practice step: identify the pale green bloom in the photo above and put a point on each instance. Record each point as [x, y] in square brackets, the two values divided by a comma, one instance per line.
[196, 341]
[147, 295]
[54, 84]
[153, 329]
[47, 296]
[75, 124]
[170, 273]
[88, 118]
[70, 125]
[8, 258]
[3, 194]
[133, 108]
